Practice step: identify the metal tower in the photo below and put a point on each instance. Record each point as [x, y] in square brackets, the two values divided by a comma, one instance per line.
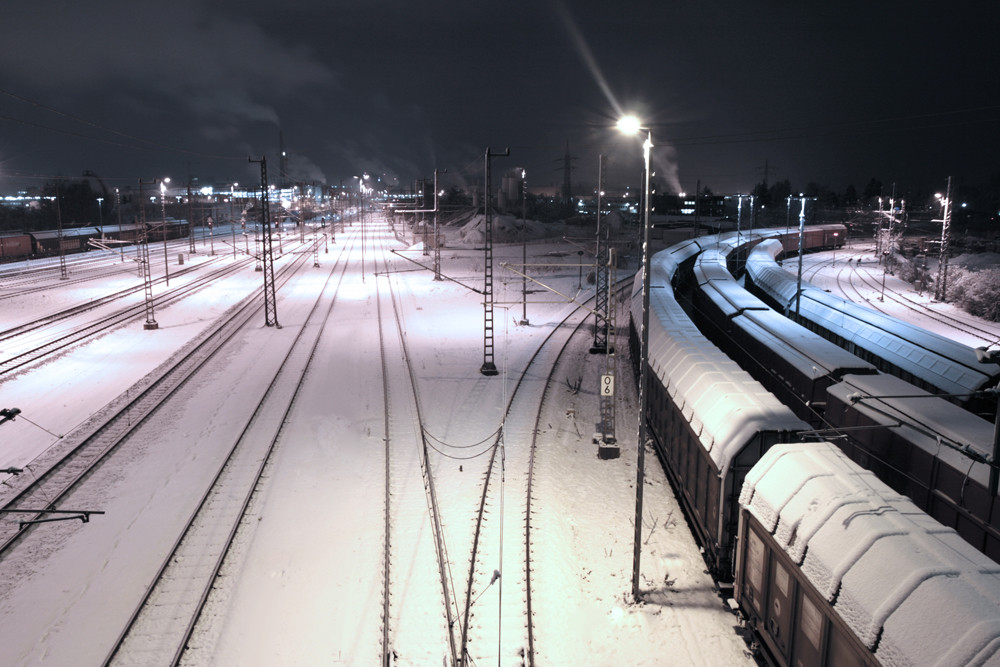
[607, 447]
[941, 291]
[270, 299]
[488, 367]
[602, 296]
[567, 185]
[144, 266]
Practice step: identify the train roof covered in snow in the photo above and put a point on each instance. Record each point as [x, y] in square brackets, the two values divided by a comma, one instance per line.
[939, 362]
[912, 590]
[725, 406]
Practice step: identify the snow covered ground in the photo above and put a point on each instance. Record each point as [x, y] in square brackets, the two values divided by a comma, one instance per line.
[304, 586]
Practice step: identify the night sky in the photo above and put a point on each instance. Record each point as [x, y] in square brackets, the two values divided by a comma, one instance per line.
[733, 91]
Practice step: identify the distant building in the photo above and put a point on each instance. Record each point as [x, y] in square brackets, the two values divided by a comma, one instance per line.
[707, 206]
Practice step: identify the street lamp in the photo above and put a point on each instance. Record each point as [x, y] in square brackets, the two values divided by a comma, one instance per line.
[941, 289]
[163, 227]
[631, 125]
[524, 247]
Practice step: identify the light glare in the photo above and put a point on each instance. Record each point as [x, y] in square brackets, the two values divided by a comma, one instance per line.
[629, 124]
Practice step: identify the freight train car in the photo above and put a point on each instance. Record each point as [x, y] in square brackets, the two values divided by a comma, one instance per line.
[15, 246]
[710, 420]
[918, 443]
[924, 446]
[835, 569]
[926, 359]
[72, 240]
[794, 363]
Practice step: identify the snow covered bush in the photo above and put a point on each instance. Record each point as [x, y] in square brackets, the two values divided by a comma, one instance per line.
[976, 292]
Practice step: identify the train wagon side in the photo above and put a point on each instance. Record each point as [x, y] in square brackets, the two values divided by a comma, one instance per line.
[836, 569]
[923, 358]
[794, 363]
[15, 246]
[923, 446]
[710, 422]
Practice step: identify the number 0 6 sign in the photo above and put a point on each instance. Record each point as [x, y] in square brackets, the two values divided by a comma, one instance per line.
[607, 385]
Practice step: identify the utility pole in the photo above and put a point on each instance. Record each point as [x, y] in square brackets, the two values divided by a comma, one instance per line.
[118, 205]
[567, 186]
[604, 322]
[423, 216]
[601, 272]
[607, 447]
[802, 232]
[941, 293]
[63, 273]
[191, 248]
[488, 367]
[437, 240]
[163, 228]
[144, 259]
[524, 248]
[270, 298]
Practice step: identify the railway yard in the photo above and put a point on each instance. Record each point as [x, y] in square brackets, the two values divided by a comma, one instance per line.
[346, 487]
[333, 491]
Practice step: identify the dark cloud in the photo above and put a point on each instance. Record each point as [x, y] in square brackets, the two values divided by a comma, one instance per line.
[833, 93]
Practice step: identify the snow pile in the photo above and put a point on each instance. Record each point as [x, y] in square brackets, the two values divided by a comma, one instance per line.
[508, 229]
[975, 261]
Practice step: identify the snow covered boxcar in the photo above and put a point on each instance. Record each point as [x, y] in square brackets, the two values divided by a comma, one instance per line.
[834, 568]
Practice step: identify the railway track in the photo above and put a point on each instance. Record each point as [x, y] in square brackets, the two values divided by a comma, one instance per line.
[30, 279]
[59, 340]
[161, 628]
[506, 461]
[510, 474]
[61, 469]
[66, 313]
[410, 498]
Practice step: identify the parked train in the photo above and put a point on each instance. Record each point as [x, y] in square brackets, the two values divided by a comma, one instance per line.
[46, 243]
[711, 422]
[923, 358]
[836, 569]
[920, 444]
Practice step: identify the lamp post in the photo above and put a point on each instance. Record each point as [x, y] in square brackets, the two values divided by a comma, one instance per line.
[941, 289]
[147, 270]
[118, 206]
[631, 125]
[524, 247]
[802, 231]
[163, 227]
